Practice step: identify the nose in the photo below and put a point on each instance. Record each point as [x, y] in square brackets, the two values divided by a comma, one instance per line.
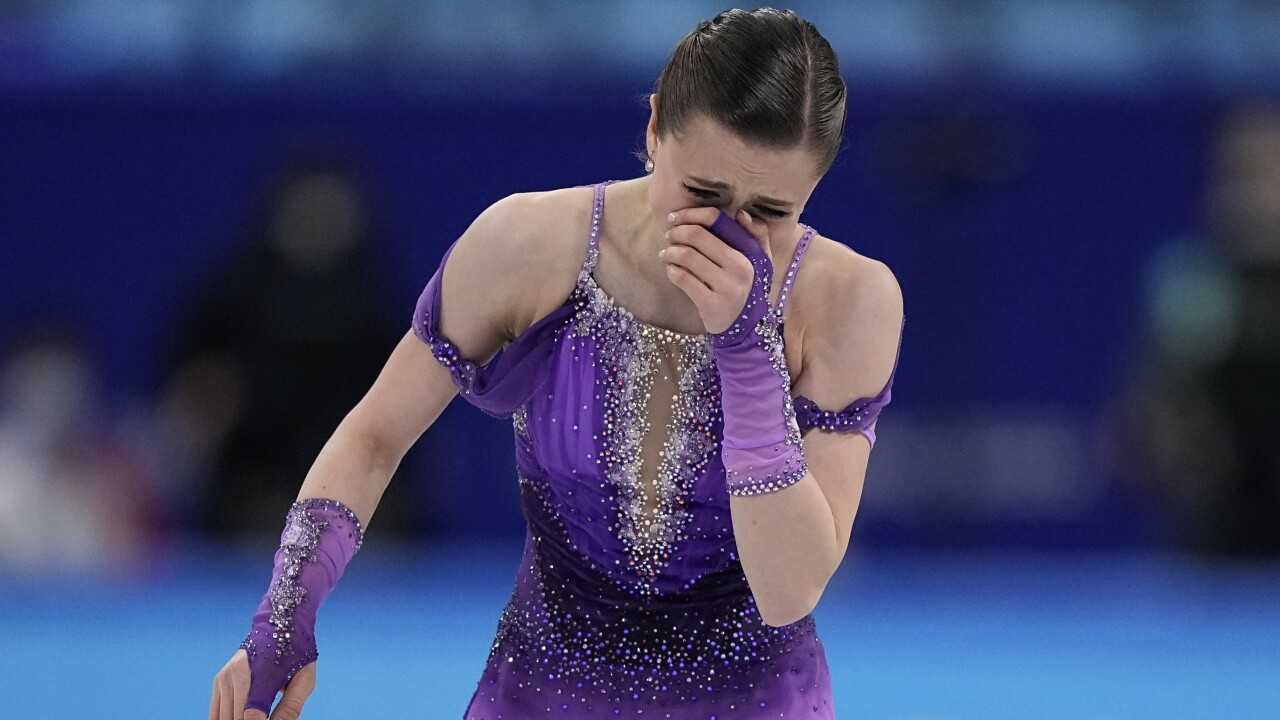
[730, 208]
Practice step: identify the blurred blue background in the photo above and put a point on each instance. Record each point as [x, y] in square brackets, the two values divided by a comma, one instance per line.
[216, 218]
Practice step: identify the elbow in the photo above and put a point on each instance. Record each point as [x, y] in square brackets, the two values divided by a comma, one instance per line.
[368, 443]
[785, 609]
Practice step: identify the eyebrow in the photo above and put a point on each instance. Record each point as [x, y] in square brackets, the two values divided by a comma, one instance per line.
[725, 186]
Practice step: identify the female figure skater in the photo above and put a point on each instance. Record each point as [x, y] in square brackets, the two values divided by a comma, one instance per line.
[692, 428]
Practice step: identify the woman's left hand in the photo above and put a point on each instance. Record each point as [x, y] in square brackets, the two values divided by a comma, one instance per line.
[715, 276]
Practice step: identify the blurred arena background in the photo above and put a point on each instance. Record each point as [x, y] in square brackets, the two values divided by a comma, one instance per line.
[215, 219]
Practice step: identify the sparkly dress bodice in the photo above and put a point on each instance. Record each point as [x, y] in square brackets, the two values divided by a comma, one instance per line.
[630, 600]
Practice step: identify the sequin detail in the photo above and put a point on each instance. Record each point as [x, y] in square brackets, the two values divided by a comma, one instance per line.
[770, 333]
[779, 467]
[520, 421]
[303, 528]
[857, 416]
[599, 653]
[446, 353]
[747, 320]
[751, 406]
[630, 600]
[631, 351]
[789, 280]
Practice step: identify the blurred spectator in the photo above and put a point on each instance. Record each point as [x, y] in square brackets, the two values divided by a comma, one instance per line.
[280, 348]
[75, 491]
[1204, 414]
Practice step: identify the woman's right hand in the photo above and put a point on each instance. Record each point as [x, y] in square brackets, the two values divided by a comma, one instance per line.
[231, 691]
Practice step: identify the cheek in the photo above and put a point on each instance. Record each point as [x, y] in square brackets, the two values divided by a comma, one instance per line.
[785, 225]
[781, 228]
[664, 199]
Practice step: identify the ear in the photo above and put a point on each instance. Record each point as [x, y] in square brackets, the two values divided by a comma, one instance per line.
[651, 139]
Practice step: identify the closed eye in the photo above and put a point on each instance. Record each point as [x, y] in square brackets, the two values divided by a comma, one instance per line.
[761, 212]
[700, 193]
[771, 212]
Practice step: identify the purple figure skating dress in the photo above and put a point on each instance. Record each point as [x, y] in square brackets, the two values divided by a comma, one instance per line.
[630, 600]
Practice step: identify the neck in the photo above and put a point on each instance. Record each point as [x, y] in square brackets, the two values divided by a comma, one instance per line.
[631, 221]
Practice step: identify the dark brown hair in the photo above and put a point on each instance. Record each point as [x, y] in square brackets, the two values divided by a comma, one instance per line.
[768, 75]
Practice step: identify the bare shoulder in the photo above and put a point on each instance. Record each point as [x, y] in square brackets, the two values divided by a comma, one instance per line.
[533, 233]
[849, 308]
[840, 279]
[526, 250]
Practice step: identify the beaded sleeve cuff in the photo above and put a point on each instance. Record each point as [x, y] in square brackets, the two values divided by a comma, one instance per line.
[319, 538]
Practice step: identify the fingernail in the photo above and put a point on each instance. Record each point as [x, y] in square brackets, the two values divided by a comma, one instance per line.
[671, 217]
[662, 252]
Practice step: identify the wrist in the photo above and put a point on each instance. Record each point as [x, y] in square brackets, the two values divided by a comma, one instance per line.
[761, 447]
[319, 538]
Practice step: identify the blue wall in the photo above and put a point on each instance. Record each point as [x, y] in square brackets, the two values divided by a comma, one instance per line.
[1017, 222]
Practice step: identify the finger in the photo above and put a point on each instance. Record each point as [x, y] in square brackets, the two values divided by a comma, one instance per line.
[703, 216]
[706, 243]
[296, 694]
[240, 676]
[226, 711]
[215, 701]
[699, 293]
[759, 230]
[254, 714]
[711, 275]
[239, 696]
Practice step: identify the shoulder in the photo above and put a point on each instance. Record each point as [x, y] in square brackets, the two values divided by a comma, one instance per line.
[850, 311]
[527, 246]
[534, 231]
[855, 286]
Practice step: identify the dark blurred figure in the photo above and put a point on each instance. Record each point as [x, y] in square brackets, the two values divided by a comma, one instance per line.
[77, 492]
[1205, 414]
[281, 348]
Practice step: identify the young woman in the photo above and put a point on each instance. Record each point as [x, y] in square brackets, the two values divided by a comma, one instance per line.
[692, 427]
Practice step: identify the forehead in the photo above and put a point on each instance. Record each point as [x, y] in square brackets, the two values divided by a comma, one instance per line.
[708, 150]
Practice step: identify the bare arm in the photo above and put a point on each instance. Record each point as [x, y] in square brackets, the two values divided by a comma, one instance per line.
[513, 265]
[358, 461]
[517, 240]
[791, 542]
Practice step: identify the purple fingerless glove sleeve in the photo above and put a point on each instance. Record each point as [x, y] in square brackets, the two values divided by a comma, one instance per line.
[761, 449]
[319, 538]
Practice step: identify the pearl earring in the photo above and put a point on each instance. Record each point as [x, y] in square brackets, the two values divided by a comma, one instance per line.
[648, 165]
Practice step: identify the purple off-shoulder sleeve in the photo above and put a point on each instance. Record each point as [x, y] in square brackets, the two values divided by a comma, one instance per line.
[857, 416]
[500, 387]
